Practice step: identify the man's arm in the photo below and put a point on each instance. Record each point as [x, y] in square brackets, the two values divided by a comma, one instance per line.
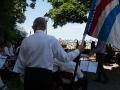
[79, 73]
[20, 63]
[99, 47]
[61, 55]
[6, 52]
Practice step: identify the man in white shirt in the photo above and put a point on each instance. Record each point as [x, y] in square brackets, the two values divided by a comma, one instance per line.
[12, 46]
[7, 49]
[7, 71]
[80, 80]
[3, 58]
[37, 52]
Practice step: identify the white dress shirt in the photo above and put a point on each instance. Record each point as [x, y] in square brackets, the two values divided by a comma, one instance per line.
[39, 50]
[8, 52]
[12, 48]
[68, 67]
[56, 64]
[17, 49]
[2, 60]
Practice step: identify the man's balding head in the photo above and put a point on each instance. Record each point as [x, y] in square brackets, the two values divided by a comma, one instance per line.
[39, 24]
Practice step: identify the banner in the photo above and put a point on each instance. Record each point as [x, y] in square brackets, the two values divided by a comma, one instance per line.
[104, 21]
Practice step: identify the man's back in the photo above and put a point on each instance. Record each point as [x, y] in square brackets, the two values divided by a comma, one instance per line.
[38, 51]
[36, 55]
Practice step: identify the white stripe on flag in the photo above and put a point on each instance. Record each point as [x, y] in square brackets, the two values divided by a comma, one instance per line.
[114, 37]
[103, 17]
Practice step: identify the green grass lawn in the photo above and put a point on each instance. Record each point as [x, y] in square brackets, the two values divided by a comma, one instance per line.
[14, 83]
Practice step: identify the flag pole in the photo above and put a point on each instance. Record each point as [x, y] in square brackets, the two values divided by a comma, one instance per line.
[77, 63]
[83, 39]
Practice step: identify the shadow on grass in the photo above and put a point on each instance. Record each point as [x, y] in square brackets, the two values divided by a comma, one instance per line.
[14, 83]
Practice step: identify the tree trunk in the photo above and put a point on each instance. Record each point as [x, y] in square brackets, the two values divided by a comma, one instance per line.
[1, 36]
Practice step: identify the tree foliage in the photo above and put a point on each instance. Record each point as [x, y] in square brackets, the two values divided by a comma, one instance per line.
[17, 34]
[12, 12]
[63, 12]
[69, 11]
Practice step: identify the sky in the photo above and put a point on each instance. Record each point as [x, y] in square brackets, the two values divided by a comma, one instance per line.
[68, 31]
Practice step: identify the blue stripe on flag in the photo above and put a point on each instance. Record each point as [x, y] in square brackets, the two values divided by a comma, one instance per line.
[92, 10]
[107, 26]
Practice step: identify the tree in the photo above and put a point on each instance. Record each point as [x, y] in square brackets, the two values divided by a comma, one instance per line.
[11, 13]
[17, 34]
[69, 11]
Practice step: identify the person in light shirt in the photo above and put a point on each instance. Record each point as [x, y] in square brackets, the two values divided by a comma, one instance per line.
[35, 60]
[3, 58]
[7, 50]
[12, 46]
[5, 70]
[80, 79]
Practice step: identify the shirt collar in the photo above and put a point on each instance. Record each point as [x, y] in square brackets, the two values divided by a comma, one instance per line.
[39, 31]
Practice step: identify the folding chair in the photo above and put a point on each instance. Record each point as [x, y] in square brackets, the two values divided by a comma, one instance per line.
[67, 75]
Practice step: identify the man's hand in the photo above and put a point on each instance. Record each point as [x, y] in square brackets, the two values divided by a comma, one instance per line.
[81, 48]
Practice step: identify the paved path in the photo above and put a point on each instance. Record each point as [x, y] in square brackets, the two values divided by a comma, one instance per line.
[113, 71]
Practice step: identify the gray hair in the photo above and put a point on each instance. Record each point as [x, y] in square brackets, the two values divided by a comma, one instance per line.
[40, 22]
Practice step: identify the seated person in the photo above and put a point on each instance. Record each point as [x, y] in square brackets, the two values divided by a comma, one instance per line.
[7, 71]
[3, 59]
[55, 71]
[17, 49]
[80, 79]
[7, 50]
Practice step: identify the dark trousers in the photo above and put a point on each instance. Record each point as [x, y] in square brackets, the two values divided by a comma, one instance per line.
[5, 75]
[38, 79]
[56, 76]
[100, 59]
[82, 83]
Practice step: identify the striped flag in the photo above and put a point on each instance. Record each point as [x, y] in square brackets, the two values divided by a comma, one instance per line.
[104, 21]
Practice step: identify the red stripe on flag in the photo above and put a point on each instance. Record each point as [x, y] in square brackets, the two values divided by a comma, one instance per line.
[99, 10]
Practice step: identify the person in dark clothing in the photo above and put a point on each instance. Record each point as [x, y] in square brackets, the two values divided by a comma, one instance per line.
[92, 45]
[100, 55]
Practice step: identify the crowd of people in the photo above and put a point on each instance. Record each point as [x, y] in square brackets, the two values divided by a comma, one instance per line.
[38, 57]
[9, 52]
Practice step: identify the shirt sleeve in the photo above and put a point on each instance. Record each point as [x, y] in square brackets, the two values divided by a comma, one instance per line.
[99, 46]
[21, 62]
[2, 62]
[61, 55]
[57, 62]
[79, 73]
[7, 52]
[11, 51]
